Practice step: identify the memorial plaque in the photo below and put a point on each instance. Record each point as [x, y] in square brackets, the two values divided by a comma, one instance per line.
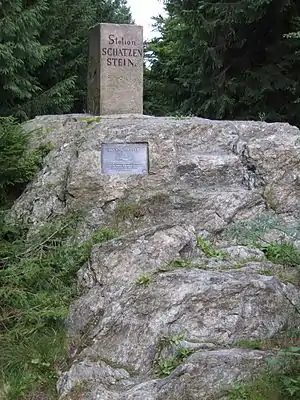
[115, 77]
[124, 158]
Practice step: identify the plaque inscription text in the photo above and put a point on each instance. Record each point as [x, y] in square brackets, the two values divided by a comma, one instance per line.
[124, 158]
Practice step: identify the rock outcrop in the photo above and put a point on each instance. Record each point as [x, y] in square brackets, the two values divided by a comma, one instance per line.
[205, 173]
[158, 318]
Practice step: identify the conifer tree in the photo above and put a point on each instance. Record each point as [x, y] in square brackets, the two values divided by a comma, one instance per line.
[20, 52]
[65, 35]
[229, 59]
[43, 52]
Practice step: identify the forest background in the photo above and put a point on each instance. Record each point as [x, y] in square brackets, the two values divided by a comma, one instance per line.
[214, 59]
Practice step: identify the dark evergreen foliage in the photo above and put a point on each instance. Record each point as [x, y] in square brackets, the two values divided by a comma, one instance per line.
[65, 33]
[43, 52]
[227, 59]
[18, 164]
[20, 52]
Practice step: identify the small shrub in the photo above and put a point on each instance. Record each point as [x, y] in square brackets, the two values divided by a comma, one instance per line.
[132, 212]
[209, 250]
[180, 263]
[287, 366]
[263, 387]
[18, 164]
[100, 236]
[173, 340]
[282, 253]
[103, 235]
[166, 366]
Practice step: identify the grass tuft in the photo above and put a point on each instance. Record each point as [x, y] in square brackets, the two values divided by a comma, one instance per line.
[209, 250]
[281, 381]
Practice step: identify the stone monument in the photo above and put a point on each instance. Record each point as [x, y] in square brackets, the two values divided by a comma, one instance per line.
[115, 77]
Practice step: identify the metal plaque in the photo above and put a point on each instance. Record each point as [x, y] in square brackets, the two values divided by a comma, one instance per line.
[124, 158]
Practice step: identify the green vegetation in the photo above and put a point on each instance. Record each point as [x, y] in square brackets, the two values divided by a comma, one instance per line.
[129, 211]
[209, 250]
[44, 53]
[37, 277]
[173, 340]
[208, 62]
[180, 263]
[211, 55]
[38, 282]
[265, 272]
[175, 264]
[79, 390]
[280, 382]
[287, 339]
[166, 366]
[282, 253]
[144, 280]
[18, 164]
[136, 210]
[282, 379]
[252, 233]
[90, 120]
[250, 344]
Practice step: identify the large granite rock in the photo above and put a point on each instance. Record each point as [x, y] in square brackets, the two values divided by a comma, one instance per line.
[202, 172]
[128, 324]
[159, 318]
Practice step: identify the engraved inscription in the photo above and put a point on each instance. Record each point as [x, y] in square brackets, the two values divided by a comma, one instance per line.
[121, 52]
[124, 158]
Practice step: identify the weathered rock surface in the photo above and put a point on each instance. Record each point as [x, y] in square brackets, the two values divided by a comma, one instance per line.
[158, 318]
[206, 375]
[129, 324]
[202, 172]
